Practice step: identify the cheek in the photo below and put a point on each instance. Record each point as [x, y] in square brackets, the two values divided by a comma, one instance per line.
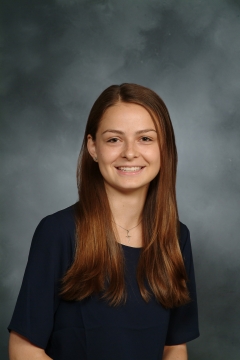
[157, 165]
[156, 162]
[106, 155]
[153, 156]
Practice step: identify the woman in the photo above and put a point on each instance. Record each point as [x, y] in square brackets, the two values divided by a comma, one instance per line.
[112, 276]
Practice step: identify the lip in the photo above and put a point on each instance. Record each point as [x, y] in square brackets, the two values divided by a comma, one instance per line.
[127, 172]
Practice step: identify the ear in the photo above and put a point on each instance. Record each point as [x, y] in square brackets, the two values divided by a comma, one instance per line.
[91, 146]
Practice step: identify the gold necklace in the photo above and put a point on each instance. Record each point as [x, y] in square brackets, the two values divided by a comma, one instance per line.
[127, 230]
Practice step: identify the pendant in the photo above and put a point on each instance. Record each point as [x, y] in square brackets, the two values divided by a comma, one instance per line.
[128, 236]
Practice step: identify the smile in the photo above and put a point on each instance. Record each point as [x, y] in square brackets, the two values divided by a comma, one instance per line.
[129, 169]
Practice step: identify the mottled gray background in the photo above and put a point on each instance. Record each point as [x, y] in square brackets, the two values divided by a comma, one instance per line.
[58, 56]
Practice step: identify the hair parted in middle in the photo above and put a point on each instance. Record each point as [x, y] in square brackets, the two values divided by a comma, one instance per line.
[98, 266]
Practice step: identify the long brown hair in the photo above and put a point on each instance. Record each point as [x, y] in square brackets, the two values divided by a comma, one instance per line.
[98, 266]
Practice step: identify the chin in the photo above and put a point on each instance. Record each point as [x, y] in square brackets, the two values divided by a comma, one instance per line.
[133, 187]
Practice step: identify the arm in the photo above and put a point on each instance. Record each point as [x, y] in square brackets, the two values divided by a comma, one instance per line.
[21, 349]
[33, 317]
[176, 352]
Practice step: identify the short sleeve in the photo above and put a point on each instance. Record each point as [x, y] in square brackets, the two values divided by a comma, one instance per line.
[183, 324]
[49, 257]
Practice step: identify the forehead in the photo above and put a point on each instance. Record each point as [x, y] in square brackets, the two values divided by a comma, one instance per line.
[126, 115]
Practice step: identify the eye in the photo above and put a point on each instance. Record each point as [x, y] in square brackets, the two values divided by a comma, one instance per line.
[113, 140]
[146, 139]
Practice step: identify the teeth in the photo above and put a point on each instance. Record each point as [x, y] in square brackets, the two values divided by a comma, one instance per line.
[133, 168]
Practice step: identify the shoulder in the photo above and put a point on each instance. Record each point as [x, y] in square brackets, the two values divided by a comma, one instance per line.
[64, 219]
[185, 246]
[53, 230]
[184, 236]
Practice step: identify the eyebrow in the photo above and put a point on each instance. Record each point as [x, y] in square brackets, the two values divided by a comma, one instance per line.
[122, 133]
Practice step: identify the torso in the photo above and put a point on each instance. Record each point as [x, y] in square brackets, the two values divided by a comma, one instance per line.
[91, 329]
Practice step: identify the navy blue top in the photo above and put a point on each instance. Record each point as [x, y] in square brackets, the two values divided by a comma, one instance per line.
[91, 329]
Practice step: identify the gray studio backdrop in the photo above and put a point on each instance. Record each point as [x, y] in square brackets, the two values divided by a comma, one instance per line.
[58, 56]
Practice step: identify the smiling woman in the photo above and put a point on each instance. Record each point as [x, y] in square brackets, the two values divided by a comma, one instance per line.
[112, 277]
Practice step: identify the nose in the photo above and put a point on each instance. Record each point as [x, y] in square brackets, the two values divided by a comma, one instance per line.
[130, 152]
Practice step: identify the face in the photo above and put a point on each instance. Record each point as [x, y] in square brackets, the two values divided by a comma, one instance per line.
[126, 147]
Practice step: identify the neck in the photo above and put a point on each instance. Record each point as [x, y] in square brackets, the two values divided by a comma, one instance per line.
[127, 208]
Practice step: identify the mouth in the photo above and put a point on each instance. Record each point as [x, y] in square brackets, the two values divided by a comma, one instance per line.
[130, 169]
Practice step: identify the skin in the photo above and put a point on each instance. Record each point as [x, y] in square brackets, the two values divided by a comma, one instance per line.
[127, 138]
[21, 349]
[177, 352]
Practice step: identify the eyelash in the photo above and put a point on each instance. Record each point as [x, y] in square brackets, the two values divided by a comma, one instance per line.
[114, 140]
[146, 137]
